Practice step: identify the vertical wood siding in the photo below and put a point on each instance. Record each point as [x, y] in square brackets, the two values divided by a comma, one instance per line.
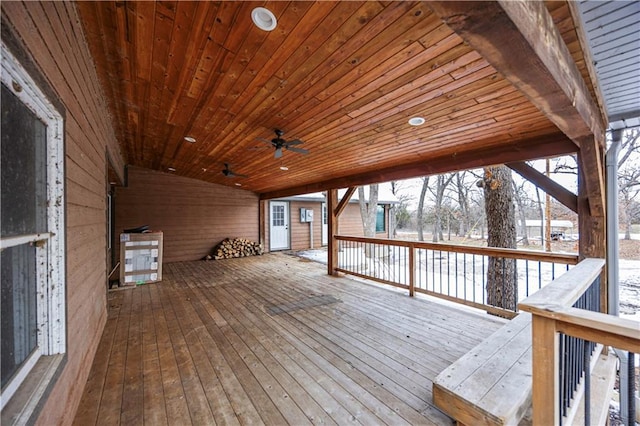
[193, 215]
[52, 37]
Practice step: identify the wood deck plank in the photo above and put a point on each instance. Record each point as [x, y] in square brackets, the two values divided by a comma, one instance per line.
[178, 323]
[306, 408]
[153, 409]
[202, 347]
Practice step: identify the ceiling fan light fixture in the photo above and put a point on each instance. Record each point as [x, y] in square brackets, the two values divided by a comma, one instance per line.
[264, 19]
[190, 139]
[416, 121]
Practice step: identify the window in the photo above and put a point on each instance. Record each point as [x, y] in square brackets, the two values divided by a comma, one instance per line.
[380, 222]
[32, 247]
[277, 215]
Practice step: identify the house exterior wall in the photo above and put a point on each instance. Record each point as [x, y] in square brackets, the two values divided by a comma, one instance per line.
[193, 215]
[349, 223]
[49, 41]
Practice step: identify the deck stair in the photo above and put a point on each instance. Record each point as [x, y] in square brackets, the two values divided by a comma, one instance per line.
[492, 383]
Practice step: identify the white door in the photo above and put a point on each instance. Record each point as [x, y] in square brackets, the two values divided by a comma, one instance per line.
[325, 226]
[279, 226]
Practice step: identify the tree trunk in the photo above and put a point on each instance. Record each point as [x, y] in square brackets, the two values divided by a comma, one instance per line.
[523, 217]
[541, 211]
[441, 185]
[368, 210]
[627, 216]
[463, 201]
[501, 228]
[420, 212]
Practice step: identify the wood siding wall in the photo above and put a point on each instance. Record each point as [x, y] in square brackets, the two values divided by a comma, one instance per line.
[52, 40]
[193, 215]
[349, 223]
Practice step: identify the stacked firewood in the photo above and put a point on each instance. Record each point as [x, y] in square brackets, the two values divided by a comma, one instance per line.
[235, 247]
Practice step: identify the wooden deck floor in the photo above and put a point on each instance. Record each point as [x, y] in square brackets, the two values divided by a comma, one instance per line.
[272, 340]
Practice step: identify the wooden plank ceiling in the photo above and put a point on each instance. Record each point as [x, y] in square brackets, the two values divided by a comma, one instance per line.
[343, 77]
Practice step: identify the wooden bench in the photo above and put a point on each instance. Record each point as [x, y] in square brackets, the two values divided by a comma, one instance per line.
[491, 384]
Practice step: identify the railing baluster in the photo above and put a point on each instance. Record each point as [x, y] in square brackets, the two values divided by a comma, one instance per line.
[388, 261]
[587, 384]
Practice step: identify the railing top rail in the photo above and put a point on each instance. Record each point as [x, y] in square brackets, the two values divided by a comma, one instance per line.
[566, 289]
[609, 330]
[570, 259]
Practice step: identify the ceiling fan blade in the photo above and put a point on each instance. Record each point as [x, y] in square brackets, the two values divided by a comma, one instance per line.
[298, 150]
[278, 153]
[294, 142]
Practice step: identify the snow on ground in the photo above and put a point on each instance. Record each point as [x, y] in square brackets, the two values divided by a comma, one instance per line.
[629, 274]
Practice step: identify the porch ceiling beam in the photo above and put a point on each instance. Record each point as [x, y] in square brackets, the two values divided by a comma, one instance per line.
[557, 191]
[520, 40]
[549, 146]
[345, 200]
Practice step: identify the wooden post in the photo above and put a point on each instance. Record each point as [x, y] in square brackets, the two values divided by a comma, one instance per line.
[332, 228]
[547, 207]
[591, 228]
[261, 223]
[412, 269]
[545, 357]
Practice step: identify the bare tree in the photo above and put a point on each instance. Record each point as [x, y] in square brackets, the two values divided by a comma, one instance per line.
[368, 209]
[420, 212]
[629, 178]
[401, 211]
[519, 196]
[501, 226]
[629, 191]
[462, 189]
[442, 182]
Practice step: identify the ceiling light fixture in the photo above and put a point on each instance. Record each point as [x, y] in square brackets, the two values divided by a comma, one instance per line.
[171, 169]
[264, 19]
[416, 121]
[190, 139]
[238, 184]
[285, 168]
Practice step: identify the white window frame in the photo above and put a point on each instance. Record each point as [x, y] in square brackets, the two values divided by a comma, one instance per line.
[50, 252]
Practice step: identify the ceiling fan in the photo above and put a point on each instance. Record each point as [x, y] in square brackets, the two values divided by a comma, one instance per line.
[278, 143]
[230, 174]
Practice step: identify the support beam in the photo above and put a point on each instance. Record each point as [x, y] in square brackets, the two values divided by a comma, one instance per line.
[557, 191]
[528, 149]
[345, 200]
[592, 230]
[262, 205]
[332, 228]
[520, 40]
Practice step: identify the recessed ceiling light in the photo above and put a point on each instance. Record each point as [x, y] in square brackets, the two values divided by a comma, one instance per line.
[416, 121]
[285, 168]
[264, 18]
[238, 184]
[190, 139]
[171, 169]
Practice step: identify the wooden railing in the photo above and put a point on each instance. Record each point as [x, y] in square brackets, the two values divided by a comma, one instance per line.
[453, 272]
[555, 315]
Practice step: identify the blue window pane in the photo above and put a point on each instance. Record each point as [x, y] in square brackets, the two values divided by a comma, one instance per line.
[380, 219]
